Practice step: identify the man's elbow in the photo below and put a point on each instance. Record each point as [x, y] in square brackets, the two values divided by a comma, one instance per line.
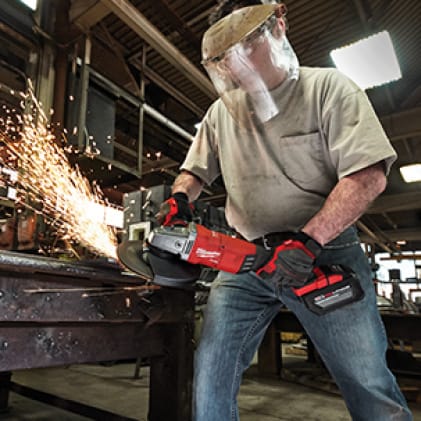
[193, 177]
[371, 181]
[382, 183]
[378, 180]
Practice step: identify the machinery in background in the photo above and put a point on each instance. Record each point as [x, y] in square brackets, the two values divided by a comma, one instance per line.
[7, 228]
[22, 227]
[398, 301]
[8, 211]
[140, 208]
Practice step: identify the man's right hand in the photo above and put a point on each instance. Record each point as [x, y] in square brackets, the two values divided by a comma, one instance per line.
[292, 262]
[175, 211]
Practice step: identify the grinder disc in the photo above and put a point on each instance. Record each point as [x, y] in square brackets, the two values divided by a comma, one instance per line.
[131, 255]
[160, 267]
[170, 271]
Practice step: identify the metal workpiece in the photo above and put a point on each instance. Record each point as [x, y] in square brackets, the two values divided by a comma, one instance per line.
[40, 300]
[42, 289]
[100, 269]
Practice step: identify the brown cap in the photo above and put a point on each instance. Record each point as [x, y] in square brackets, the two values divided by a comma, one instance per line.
[231, 29]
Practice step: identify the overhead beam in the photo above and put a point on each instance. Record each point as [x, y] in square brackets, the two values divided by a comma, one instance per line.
[407, 234]
[395, 203]
[403, 124]
[148, 73]
[372, 237]
[87, 13]
[364, 13]
[120, 56]
[400, 257]
[413, 98]
[142, 27]
[164, 8]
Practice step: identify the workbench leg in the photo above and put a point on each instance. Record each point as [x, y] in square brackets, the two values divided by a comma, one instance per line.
[269, 357]
[5, 379]
[171, 375]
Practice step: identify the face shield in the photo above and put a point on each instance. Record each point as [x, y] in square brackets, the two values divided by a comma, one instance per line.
[247, 56]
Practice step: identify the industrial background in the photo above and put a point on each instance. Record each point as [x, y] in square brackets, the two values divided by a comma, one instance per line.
[127, 88]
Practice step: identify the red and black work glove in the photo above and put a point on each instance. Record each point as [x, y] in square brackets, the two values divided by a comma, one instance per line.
[175, 211]
[292, 262]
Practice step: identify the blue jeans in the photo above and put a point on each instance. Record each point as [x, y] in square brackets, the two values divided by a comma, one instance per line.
[351, 341]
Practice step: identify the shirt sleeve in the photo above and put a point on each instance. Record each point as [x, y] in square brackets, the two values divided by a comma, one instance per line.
[355, 136]
[202, 156]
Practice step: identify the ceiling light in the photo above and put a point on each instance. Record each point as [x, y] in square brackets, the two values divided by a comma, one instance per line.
[411, 173]
[32, 4]
[369, 62]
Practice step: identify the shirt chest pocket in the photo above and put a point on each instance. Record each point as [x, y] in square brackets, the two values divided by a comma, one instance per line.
[302, 158]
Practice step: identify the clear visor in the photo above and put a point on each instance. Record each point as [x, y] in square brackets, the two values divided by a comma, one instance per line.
[245, 74]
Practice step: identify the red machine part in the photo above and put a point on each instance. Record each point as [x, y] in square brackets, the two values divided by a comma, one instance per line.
[221, 251]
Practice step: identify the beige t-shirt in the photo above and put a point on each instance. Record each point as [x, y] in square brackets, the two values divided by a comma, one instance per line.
[278, 174]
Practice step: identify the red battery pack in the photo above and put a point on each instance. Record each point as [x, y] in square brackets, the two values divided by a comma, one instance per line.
[331, 288]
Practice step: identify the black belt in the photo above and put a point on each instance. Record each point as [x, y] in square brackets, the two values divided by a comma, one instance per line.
[273, 239]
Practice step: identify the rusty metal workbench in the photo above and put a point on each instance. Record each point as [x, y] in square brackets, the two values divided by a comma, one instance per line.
[55, 313]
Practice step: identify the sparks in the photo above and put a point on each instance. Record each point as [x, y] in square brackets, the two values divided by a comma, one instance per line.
[46, 176]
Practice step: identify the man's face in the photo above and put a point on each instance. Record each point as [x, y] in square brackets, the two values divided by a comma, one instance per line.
[247, 55]
[250, 64]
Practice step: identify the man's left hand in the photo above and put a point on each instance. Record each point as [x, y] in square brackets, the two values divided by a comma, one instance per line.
[175, 211]
[292, 262]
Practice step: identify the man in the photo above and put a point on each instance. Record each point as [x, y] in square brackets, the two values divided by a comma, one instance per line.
[302, 155]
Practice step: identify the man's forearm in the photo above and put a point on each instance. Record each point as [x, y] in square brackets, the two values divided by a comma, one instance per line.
[346, 203]
[189, 184]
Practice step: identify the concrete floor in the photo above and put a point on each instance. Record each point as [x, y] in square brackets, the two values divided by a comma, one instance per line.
[114, 389]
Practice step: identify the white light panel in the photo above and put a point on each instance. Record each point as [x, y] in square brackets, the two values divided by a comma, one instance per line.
[369, 62]
[411, 173]
[32, 4]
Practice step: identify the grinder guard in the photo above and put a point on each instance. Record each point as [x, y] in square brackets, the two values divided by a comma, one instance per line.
[164, 269]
